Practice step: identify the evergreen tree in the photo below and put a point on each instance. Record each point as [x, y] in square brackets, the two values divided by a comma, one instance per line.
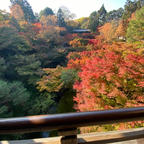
[129, 8]
[2, 67]
[18, 55]
[102, 15]
[93, 21]
[114, 15]
[27, 10]
[60, 17]
[97, 18]
[46, 12]
[13, 96]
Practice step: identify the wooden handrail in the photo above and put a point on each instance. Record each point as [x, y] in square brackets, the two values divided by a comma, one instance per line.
[69, 120]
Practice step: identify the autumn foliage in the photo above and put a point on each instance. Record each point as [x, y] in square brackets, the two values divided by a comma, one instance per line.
[17, 12]
[42, 57]
[111, 77]
[108, 31]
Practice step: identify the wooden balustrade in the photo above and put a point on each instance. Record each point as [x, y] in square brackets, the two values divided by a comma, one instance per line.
[67, 124]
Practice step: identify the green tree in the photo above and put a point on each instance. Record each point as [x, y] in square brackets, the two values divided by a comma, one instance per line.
[135, 31]
[93, 21]
[43, 104]
[2, 67]
[60, 17]
[18, 55]
[46, 12]
[97, 18]
[129, 8]
[114, 15]
[27, 67]
[13, 96]
[102, 15]
[14, 44]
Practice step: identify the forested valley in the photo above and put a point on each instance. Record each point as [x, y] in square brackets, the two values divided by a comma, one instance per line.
[46, 68]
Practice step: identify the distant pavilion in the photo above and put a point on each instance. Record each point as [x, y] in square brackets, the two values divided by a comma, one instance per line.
[81, 31]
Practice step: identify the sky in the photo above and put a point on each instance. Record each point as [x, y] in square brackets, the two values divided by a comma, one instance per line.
[82, 8]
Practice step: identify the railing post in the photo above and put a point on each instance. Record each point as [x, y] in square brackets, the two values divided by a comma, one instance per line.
[69, 136]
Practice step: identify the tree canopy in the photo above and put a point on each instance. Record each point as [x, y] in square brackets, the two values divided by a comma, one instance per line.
[135, 31]
[46, 12]
[26, 8]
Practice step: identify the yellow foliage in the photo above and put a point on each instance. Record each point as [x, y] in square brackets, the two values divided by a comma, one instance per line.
[48, 20]
[107, 31]
[51, 81]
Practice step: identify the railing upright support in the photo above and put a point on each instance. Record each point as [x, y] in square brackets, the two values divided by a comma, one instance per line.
[69, 136]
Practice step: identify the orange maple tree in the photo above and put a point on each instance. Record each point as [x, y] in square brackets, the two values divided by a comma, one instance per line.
[108, 31]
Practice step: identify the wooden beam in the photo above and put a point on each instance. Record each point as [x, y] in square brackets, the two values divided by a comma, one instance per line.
[69, 120]
[110, 137]
[55, 140]
[131, 136]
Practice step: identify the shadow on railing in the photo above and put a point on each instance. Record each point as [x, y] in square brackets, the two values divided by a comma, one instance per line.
[67, 124]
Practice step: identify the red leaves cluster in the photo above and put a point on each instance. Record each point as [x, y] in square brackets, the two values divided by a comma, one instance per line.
[94, 41]
[109, 78]
[37, 27]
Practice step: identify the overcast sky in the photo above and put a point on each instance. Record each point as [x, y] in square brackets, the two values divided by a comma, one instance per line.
[81, 8]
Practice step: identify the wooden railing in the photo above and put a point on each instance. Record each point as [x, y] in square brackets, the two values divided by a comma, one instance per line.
[67, 124]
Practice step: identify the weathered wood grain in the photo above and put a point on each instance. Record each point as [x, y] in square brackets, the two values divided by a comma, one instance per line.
[131, 136]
